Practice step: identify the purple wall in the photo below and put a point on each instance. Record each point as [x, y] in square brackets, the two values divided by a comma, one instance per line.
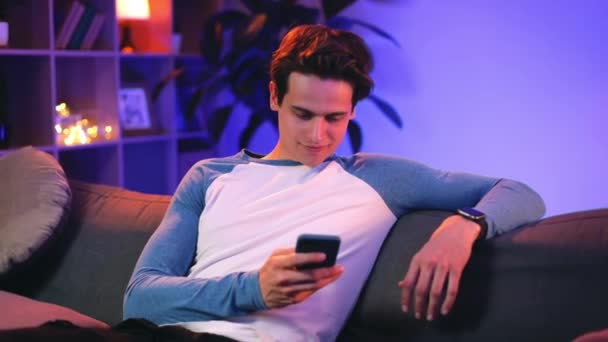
[515, 89]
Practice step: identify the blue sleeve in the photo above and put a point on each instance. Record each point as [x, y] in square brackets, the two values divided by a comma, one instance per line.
[406, 185]
[159, 289]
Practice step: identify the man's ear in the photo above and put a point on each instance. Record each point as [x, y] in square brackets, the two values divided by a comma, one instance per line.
[274, 100]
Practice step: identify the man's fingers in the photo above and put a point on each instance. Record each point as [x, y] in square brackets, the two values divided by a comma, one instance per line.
[302, 259]
[407, 285]
[298, 287]
[283, 251]
[452, 291]
[325, 272]
[293, 260]
[289, 277]
[312, 283]
[437, 287]
[322, 282]
[422, 290]
[301, 291]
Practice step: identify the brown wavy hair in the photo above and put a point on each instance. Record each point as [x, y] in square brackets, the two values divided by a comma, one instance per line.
[325, 52]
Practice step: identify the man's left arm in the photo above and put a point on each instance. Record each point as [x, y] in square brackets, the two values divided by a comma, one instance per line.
[406, 185]
[440, 262]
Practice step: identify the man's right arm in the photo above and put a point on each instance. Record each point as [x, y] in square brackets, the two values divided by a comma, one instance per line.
[159, 289]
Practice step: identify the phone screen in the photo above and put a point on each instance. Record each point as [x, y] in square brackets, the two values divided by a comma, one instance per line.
[328, 244]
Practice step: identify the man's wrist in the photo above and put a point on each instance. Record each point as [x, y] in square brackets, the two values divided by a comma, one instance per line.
[472, 229]
[253, 293]
[477, 217]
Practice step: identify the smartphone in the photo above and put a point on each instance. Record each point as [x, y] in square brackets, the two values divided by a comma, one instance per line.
[328, 244]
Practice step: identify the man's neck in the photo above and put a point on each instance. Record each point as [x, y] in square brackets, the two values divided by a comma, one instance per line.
[273, 155]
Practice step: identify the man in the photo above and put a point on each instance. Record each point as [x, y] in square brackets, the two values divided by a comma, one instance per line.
[222, 260]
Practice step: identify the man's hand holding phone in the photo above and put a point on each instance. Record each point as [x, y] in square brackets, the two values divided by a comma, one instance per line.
[291, 275]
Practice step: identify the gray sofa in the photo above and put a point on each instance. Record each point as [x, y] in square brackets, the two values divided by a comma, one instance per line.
[544, 282]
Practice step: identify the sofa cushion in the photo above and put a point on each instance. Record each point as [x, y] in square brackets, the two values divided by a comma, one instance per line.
[91, 263]
[34, 203]
[21, 312]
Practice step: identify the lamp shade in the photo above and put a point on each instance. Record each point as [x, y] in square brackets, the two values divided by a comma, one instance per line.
[132, 9]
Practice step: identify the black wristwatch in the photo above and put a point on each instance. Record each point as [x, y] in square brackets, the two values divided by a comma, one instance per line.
[477, 217]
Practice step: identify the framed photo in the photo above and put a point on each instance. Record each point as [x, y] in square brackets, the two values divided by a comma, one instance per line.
[133, 109]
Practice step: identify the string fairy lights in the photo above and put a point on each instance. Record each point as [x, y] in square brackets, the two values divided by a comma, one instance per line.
[73, 129]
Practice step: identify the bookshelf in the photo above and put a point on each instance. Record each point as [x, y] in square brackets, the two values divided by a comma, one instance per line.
[38, 76]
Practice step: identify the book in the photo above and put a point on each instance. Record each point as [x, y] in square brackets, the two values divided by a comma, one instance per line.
[75, 12]
[82, 27]
[93, 32]
[62, 31]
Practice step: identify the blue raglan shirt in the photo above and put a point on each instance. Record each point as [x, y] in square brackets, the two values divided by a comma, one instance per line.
[200, 268]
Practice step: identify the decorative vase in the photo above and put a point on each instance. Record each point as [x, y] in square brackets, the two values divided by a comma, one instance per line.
[3, 33]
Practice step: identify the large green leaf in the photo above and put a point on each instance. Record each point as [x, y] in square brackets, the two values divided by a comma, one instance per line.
[333, 7]
[387, 110]
[255, 121]
[355, 136]
[217, 121]
[194, 102]
[347, 23]
[212, 44]
[158, 88]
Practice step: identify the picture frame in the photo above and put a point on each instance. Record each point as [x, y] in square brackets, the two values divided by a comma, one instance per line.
[134, 109]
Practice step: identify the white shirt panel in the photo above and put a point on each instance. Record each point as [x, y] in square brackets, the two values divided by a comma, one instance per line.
[258, 208]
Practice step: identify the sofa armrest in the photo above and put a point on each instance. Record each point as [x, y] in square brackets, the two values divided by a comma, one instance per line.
[89, 267]
[548, 274]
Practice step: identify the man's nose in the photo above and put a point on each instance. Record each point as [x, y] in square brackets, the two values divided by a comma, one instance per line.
[319, 130]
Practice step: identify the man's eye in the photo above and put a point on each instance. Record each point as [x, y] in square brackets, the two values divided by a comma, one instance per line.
[334, 118]
[304, 116]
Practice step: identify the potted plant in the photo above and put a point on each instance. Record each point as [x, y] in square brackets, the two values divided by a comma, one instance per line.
[236, 47]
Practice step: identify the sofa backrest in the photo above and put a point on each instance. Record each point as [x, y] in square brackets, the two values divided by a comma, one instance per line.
[88, 268]
[546, 281]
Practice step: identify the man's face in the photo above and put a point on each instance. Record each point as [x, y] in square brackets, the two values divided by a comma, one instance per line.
[313, 117]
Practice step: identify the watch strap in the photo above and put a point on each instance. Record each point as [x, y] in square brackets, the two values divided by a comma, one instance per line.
[477, 217]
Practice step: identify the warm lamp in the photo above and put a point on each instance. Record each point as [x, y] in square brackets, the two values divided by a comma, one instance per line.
[126, 11]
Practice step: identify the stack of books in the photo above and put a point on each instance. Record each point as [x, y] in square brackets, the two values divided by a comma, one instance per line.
[80, 28]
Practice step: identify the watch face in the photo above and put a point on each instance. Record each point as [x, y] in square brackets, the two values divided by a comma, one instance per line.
[473, 212]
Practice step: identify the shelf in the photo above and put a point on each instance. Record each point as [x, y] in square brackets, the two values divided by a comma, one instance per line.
[190, 57]
[36, 76]
[105, 40]
[147, 73]
[146, 167]
[92, 145]
[189, 135]
[96, 101]
[145, 55]
[25, 32]
[28, 99]
[24, 52]
[152, 35]
[145, 139]
[97, 165]
[84, 53]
